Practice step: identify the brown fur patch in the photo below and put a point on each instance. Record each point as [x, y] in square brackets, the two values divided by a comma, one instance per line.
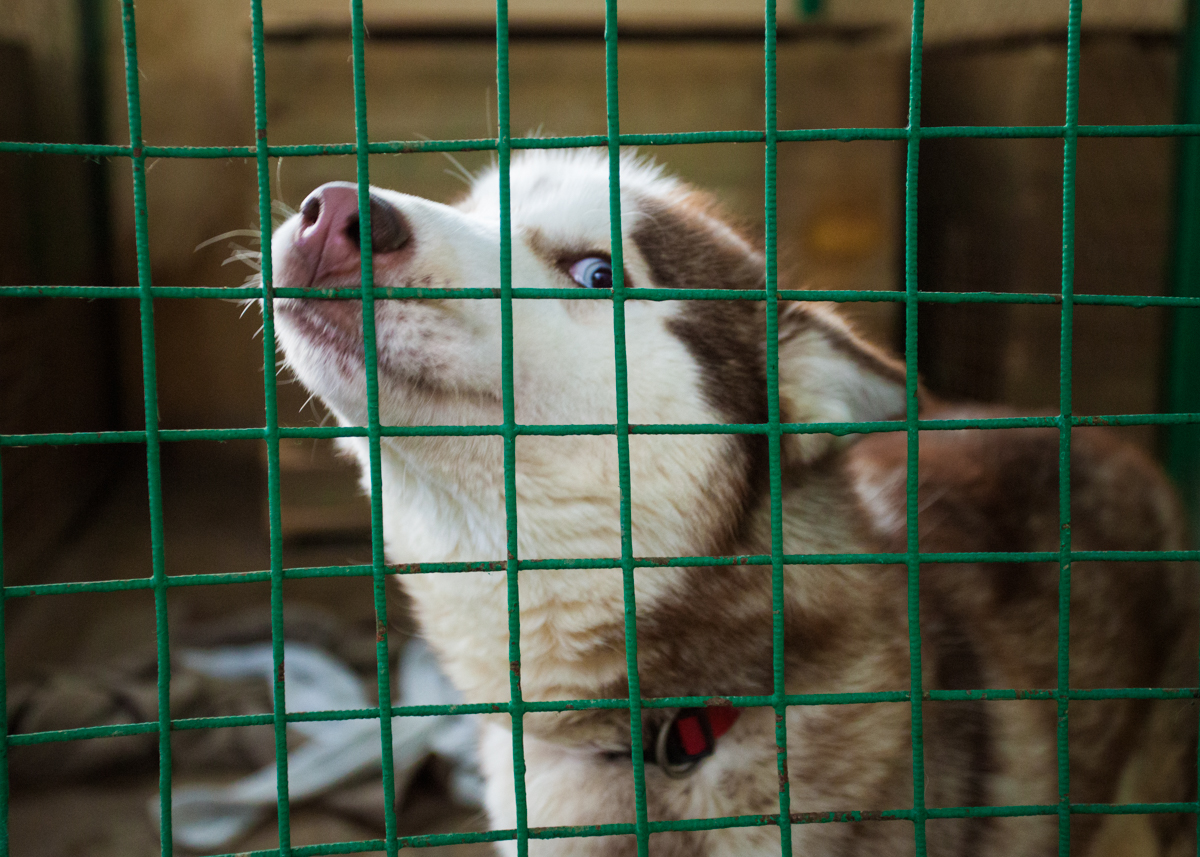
[554, 254]
[997, 490]
[684, 250]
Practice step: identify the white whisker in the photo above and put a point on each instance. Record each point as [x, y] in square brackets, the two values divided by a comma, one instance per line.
[462, 172]
[249, 261]
[233, 233]
[250, 258]
[454, 174]
[282, 209]
[279, 184]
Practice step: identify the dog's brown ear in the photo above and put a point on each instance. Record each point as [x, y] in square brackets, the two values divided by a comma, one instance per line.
[827, 374]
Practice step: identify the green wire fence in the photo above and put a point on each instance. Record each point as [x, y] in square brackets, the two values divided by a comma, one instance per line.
[1183, 421]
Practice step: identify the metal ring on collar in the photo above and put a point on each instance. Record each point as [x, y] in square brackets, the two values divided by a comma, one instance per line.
[660, 752]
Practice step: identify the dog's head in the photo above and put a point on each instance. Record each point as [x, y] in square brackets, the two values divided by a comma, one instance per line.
[439, 361]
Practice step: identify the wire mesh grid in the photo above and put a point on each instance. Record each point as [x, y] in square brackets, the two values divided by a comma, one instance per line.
[503, 145]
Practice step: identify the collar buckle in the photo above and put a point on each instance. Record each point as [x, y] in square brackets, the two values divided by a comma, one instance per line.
[690, 736]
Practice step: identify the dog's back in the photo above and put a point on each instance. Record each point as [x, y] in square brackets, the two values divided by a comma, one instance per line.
[996, 625]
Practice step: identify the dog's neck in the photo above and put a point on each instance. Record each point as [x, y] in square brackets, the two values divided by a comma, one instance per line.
[435, 515]
[571, 637]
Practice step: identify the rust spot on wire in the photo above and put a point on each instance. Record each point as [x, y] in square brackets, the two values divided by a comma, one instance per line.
[380, 630]
[515, 668]
[424, 568]
[485, 566]
[854, 815]
[1005, 694]
[718, 702]
[137, 151]
[578, 830]
[261, 133]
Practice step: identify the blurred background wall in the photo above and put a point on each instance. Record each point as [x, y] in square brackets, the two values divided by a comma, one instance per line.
[989, 209]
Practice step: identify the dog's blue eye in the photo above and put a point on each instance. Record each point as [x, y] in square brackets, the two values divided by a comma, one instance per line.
[592, 273]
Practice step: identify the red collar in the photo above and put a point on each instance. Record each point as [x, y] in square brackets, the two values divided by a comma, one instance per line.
[691, 735]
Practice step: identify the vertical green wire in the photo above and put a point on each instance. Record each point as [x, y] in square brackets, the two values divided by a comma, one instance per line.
[770, 216]
[504, 161]
[911, 416]
[4, 790]
[153, 458]
[379, 573]
[629, 588]
[1182, 383]
[1070, 134]
[91, 82]
[279, 701]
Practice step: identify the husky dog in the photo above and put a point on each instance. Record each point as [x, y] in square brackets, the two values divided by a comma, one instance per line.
[707, 631]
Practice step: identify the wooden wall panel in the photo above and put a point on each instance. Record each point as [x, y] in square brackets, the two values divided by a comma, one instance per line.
[56, 366]
[992, 221]
[946, 21]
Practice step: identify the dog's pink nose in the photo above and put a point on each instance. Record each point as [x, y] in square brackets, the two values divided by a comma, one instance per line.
[328, 238]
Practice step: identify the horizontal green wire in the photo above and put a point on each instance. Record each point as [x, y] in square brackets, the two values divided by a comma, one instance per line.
[595, 140]
[253, 292]
[840, 429]
[304, 573]
[557, 706]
